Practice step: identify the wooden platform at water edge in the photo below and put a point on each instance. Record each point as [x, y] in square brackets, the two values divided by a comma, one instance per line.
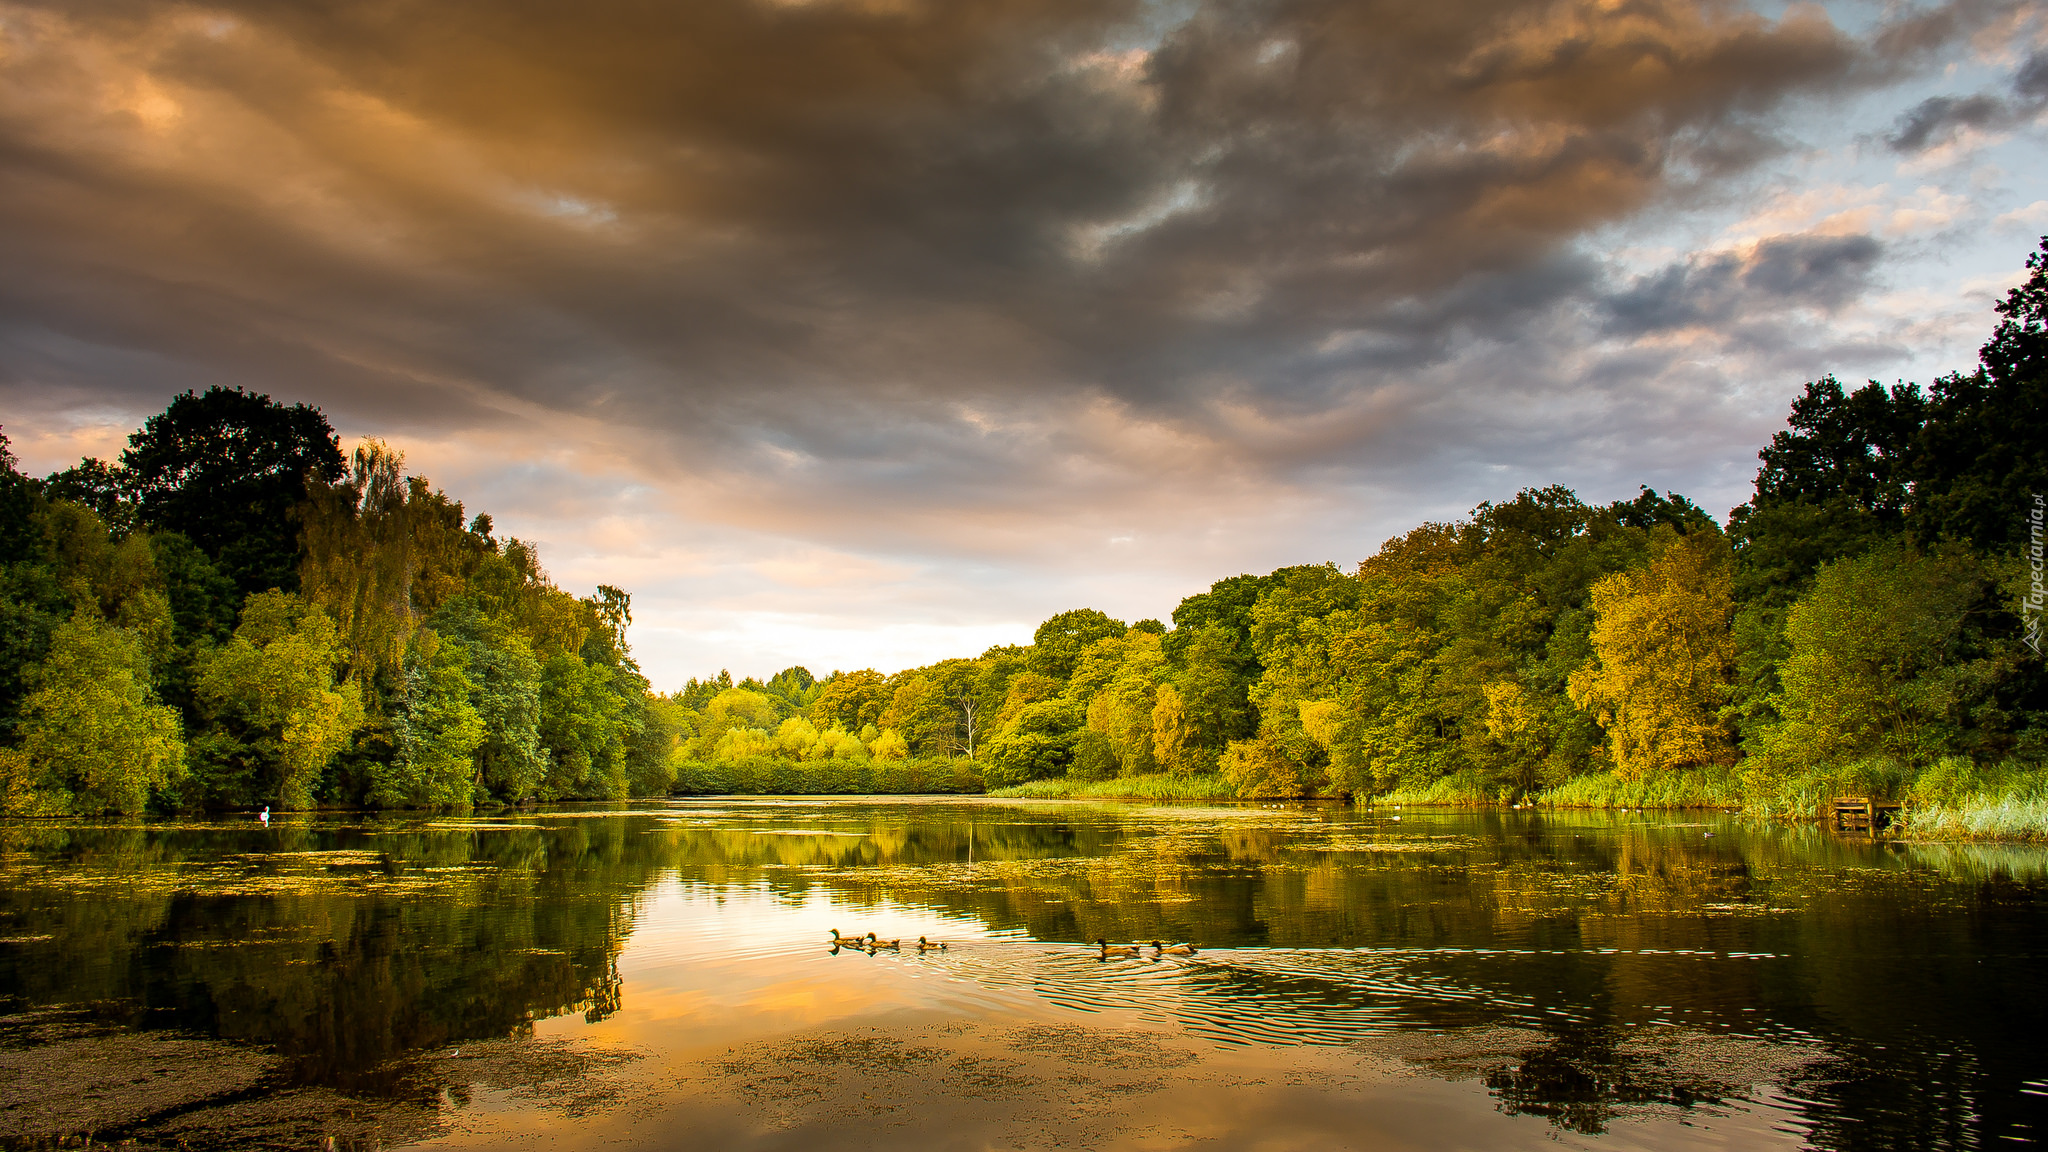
[1862, 814]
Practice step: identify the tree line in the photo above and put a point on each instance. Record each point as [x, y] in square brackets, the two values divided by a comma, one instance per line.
[1860, 623]
[233, 614]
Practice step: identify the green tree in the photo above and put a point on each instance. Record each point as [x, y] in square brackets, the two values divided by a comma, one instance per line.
[796, 687]
[944, 708]
[851, 700]
[359, 560]
[730, 710]
[1037, 743]
[653, 734]
[93, 737]
[584, 726]
[102, 487]
[1876, 666]
[280, 716]
[227, 469]
[1176, 745]
[1094, 758]
[506, 680]
[1122, 710]
[1057, 645]
[1273, 763]
[1983, 453]
[439, 731]
[1215, 696]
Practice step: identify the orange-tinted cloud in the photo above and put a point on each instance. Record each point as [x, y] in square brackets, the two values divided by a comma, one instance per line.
[907, 278]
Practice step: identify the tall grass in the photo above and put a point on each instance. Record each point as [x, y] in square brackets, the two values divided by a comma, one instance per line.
[1459, 789]
[1952, 799]
[1695, 788]
[1155, 787]
[1986, 817]
[1959, 798]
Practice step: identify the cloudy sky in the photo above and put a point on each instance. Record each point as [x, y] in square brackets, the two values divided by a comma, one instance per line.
[867, 332]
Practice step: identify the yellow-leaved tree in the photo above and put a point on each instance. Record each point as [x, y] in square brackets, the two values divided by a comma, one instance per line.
[1121, 708]
[1664, 657]
[1174, 744]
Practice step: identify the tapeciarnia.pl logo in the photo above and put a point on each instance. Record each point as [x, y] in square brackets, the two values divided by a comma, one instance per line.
[2037, 596]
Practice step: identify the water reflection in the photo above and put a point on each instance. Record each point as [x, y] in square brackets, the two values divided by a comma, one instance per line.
[1579, 967]
[340, 948]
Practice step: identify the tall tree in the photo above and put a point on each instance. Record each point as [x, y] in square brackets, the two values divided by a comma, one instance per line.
[1985, 448]
[1876, 666]
[359, 565]
[1057, 645]
[439, 732]
[227, 469]
[1836, 481]
[1664, 658]
[851, 700]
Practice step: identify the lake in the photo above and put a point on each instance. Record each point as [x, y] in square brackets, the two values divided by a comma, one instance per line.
[659, 976]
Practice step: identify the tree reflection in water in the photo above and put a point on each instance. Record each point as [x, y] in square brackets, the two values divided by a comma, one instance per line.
[1883, 989]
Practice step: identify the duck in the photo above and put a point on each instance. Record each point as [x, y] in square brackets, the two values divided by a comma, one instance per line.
[1181, 949]
[1109, 950]
[839, 941]
[924, 945]
[874, 943]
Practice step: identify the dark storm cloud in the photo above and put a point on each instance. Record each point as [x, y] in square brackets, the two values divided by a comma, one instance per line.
[901, 244]
[2032, 78]
[1937, 119]
[1815, 272]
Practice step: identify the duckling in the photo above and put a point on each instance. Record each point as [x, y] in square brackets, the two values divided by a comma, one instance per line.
[1181, 949]
[924, 945]
[849, 941]
[874, 943]
[1109, 951]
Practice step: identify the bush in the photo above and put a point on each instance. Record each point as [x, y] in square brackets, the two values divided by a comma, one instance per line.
[1017, 757]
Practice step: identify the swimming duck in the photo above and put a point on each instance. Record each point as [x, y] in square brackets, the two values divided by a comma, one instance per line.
[1109, 950]
[924, 945]
[874, 943]
[849, 941]
[1181, 949]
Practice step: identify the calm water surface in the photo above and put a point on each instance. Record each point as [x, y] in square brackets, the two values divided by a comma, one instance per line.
[658, 976]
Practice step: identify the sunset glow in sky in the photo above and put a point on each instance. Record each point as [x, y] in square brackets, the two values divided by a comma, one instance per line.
[868, 332]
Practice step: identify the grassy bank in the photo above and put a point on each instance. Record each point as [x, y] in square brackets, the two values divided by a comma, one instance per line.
[1161, 787]
[1953, 799]
[1956, 799]
[1709, 788]
[766, 776]
[1704, 788]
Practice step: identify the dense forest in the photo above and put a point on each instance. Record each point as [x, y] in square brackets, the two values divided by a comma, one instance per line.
[233, 614]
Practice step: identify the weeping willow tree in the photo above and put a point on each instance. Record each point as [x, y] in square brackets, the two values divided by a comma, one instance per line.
[359, 561]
